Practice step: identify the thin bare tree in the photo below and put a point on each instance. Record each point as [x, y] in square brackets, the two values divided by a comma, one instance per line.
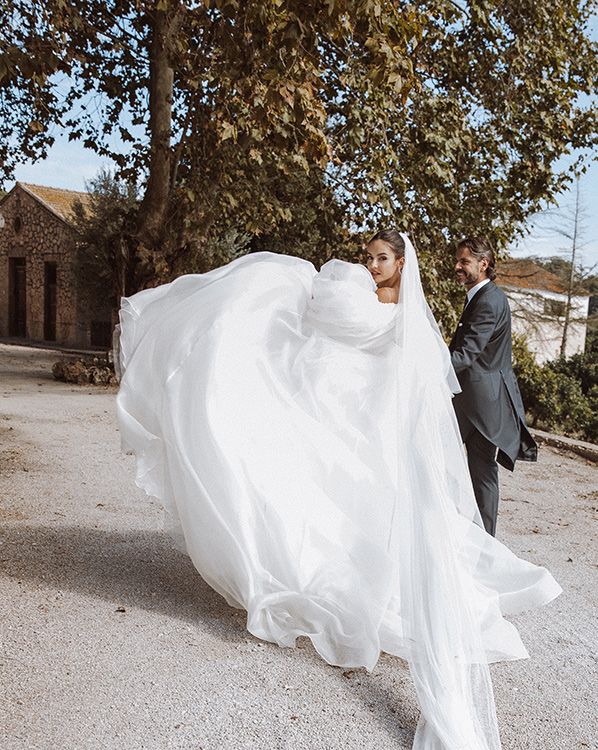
[573, 237]
[569, 223]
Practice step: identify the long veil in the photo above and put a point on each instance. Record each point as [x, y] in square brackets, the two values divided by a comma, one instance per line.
[436, 509]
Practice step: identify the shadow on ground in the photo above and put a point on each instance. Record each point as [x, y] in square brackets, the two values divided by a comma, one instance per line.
[137, 569]
[142, 569]
[389, 696]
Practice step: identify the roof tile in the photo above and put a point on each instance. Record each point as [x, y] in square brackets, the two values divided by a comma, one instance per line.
[522, 273]
[57, 199]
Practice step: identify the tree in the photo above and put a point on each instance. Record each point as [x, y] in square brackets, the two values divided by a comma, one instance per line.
[249, 72]
[315, 229]
[103, 266]
[573, 234]
[568, 223]
[441, 117]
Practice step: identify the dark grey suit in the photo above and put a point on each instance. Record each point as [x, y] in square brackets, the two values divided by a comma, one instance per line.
[489, 408]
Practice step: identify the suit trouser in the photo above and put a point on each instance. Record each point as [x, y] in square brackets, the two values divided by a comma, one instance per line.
[483, 469]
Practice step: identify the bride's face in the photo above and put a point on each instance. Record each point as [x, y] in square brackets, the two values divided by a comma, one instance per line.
[383, 264]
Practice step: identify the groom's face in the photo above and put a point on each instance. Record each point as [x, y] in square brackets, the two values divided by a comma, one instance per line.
[468, 269]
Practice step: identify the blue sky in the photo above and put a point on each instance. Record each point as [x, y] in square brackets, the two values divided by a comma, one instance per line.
[544, 241]
[541, 240]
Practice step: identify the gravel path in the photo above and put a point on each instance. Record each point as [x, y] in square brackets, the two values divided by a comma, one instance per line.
[110, 639]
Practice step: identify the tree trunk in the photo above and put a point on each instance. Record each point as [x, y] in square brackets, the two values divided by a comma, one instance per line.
[572, 274]
[154, 206]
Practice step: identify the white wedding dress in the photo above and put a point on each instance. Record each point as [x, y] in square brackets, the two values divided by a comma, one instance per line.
[301, 437]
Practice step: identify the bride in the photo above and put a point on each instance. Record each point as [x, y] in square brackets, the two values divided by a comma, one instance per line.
[298, 428]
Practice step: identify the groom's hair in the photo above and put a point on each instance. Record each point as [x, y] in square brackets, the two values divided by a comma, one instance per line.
[393, 238]
[480, 248]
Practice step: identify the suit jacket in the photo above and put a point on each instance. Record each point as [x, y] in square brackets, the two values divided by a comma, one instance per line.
[490, 399]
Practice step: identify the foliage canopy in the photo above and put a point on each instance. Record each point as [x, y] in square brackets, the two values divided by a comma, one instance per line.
[441, 117]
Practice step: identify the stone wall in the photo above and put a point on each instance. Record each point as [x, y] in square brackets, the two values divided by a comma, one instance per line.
[34, 232]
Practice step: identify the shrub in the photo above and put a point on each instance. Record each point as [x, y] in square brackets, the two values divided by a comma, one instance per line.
[559, 396]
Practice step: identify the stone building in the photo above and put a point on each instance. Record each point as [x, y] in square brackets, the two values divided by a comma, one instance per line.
[538, 300]
[39, 295]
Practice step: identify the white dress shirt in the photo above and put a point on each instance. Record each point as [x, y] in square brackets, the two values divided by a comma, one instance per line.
[475, 289]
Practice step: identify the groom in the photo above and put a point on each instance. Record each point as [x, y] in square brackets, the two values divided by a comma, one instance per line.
[489, 408]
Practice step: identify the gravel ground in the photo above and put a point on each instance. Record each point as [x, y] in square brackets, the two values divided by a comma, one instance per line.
[110, 639]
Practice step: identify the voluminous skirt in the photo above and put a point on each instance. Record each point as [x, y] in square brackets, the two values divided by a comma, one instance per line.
[301, 437]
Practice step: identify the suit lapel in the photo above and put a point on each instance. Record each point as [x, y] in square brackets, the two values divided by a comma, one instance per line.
[468, 310]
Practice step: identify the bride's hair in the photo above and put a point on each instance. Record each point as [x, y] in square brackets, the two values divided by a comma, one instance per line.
[480, 248]
[393, 238]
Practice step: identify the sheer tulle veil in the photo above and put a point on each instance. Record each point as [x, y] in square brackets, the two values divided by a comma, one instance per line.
[447, 658]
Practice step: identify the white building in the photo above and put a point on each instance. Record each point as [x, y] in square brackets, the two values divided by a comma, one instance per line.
[538, 300]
